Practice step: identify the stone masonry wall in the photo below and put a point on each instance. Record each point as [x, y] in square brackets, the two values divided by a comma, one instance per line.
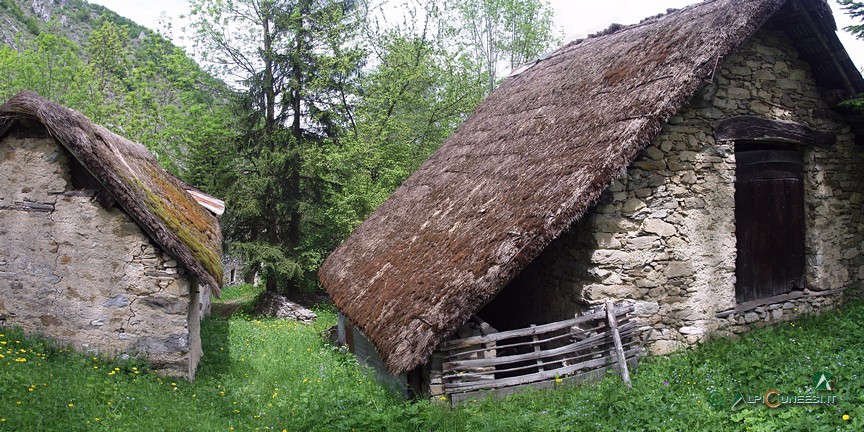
[86, 276]
[663, 236]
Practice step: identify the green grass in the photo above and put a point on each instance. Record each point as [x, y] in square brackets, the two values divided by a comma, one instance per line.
[242, 292]
[277, 375]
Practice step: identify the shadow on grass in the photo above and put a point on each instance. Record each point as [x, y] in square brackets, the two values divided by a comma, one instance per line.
[214, 342]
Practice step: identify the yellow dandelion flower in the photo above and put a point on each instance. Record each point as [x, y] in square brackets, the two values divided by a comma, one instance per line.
[444, 398]
[559, 380]
[2, 420]
[846, 417]
[231, 428]
[221, 393]
[97, 419]
[173, 384]
[71, 405]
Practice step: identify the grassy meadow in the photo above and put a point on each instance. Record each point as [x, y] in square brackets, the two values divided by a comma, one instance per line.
[272, 375]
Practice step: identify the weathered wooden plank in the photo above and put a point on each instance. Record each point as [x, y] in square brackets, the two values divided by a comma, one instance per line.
[455, 355]
[581, 362]
[34, 206]
[537, 376]
[559, 361]
[530, 331]
[78, 193]
[619, 350]
[537, 349]
[571, 380]
[570, 359]
[761, 129]
[531, 356]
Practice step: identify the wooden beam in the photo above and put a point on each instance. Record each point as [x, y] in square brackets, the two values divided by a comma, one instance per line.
[457, 355]
[619, 350]
[782, 298]
[534, 377]
[560, 361]
[530, 331]
[590, 342]
[34, 206]
[749, 128]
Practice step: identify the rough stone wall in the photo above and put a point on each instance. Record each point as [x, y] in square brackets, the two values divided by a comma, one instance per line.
[86, 276]
[663, 235]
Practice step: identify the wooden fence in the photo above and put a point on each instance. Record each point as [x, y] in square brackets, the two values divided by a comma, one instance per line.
[570, 351]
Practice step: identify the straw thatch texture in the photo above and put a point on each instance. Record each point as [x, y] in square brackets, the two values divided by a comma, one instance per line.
[155, 199]
[531, 160]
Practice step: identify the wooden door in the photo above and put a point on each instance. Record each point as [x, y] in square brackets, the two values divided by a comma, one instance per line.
[769, 215]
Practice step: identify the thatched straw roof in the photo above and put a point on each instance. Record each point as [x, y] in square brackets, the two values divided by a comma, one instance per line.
[155, 199]
[533, 158]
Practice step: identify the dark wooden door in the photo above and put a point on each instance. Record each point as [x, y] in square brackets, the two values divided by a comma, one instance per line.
[769, 215]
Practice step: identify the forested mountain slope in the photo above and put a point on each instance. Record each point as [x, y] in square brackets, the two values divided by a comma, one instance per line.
[118, 73]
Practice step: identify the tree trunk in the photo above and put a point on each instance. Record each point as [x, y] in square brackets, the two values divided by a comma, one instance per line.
[271, 284]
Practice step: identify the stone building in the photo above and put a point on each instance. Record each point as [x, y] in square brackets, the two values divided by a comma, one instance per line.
[696, 166]
[100, 248]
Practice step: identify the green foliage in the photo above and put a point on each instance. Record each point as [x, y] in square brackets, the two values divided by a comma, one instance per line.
[149, 92]
[296, 63]
[496, 33]
[242, 292]
[430, 72]
[412, 101]
[854, 9]
[15, 10]
[48, 65]
[275, 375]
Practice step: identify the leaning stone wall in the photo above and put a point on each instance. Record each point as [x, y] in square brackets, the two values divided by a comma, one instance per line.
[86, 276]
[663, 236]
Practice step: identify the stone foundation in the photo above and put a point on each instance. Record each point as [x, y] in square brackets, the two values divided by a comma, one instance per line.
[662, 236]
[85, 275]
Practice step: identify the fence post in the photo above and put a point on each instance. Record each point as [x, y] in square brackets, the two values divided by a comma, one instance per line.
[619, 348]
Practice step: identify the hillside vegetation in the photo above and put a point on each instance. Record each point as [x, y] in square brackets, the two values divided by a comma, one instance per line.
[121, 75]
[273, 375]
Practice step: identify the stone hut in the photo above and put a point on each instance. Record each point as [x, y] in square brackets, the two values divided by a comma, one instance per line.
[695, 166]
[100, 248]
